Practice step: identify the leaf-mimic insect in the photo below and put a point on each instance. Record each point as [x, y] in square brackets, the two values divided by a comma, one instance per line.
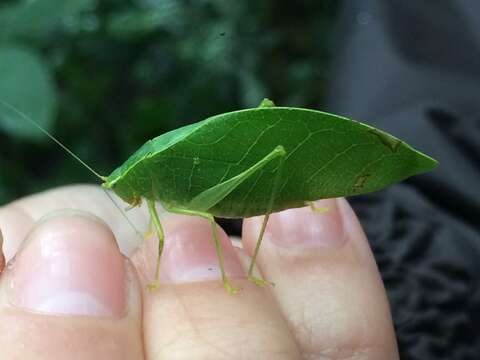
[259, 161]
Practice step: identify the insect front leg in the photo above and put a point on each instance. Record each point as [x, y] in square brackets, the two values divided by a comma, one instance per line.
[161, 237]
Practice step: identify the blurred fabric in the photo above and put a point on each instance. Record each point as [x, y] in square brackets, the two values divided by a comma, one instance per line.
[413, 69]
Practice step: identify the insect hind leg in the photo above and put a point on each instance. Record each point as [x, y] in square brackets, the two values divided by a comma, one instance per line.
[251, 277]
[274, 194]
[218, 248]
[214, 195]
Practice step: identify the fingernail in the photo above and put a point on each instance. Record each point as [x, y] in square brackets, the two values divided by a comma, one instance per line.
[304, 227]
[190, 255]
[69, 264]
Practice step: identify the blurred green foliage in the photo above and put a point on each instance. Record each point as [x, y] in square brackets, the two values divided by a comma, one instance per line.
[105, 76]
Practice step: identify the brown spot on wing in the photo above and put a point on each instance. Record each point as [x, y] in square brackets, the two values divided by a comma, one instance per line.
[389, 141]
[360, 182]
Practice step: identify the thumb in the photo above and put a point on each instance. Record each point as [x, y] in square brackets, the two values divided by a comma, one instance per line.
[69, 293]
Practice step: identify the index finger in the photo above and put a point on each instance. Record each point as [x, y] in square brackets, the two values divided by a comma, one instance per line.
[326, 282]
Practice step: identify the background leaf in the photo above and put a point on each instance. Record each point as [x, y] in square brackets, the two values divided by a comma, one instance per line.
[123, 72]
[27, 85]
[133, 22]
[36, 17]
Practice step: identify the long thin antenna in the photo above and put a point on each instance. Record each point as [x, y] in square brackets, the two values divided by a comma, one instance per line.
[71, 153]
[34, 123]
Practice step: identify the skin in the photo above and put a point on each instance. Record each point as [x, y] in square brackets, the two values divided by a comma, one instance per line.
[328, 301]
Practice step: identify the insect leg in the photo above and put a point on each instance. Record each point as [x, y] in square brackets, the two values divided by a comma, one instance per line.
[161, 237]
[275, 188]
[315, 209]
[212, 196]
[218, 247]
[251, 277]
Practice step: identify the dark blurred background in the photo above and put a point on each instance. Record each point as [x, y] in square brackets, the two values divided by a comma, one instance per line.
[105, 76]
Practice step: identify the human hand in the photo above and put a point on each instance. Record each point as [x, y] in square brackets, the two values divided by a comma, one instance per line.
[69, 293]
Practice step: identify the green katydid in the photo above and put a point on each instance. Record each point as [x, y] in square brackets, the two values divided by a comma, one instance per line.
[256, 162]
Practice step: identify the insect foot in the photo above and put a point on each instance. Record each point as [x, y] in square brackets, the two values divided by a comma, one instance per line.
[153, 286]
[317, 210]
[231, 290]
[260, 282]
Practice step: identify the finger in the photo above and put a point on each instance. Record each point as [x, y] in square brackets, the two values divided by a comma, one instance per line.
[326, 282]
[23, 213]
[69, 294]
[191, 315]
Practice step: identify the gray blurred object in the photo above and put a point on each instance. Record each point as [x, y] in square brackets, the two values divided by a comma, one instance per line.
[413, 69]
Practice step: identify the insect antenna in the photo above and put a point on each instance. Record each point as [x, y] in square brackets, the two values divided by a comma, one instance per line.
[71, 153]
[34, 123]
[137, 232]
